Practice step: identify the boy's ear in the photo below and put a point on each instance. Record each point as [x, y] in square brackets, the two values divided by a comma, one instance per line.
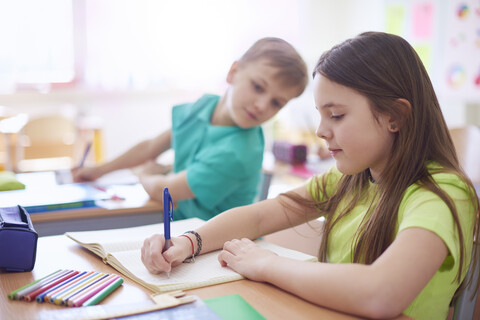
[404, 108]
[232, 71]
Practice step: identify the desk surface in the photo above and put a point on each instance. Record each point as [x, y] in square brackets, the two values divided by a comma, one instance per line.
[134, 199]
[59, 252]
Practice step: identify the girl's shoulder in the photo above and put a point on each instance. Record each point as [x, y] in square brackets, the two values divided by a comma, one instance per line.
[327, 180]
[444, 177]
[448, 180]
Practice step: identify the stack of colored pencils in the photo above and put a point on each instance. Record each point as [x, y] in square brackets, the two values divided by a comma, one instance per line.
[69, 288]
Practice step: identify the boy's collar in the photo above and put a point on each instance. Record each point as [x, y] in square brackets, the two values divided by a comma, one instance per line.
[205, 113]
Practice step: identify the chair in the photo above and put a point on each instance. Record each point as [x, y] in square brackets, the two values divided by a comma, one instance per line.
[9, 128]
[45, 143]
[467, 304]
[467, 145]
[264, 185]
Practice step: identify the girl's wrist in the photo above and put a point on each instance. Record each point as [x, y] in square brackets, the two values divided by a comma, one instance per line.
[266, 271]
[195, 242]
[192, 248]
[186, 244]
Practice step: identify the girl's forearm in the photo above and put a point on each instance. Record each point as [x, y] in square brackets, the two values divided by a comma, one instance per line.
[251, 221]
[236, 223]
[352, 288]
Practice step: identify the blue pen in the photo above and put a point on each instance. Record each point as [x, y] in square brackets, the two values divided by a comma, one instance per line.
[167, 217]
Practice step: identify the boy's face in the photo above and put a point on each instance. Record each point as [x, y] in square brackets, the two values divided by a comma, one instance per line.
[255, 95]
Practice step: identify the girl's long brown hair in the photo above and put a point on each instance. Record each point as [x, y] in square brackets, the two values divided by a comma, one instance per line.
[385, 68]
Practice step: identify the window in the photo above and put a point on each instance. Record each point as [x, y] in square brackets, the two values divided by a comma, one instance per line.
[37, 42]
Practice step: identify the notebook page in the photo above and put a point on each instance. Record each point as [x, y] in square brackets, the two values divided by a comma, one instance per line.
[115, 240]
[124, 254]
[205, 271]
[206, 267]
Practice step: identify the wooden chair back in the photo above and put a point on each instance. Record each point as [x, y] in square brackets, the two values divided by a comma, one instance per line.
[467, 145]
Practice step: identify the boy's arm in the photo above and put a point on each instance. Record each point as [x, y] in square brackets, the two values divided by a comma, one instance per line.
[176, 182]
[142, 152]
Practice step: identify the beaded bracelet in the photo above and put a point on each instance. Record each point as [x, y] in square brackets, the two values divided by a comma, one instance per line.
[199, 243]
[192, 258]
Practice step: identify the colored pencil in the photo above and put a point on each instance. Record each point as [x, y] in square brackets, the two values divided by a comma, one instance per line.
[32, 295]
[80, 299]
[61, 299]
[93, 288]
[12, 295]
[69, 289]
[20, 294]
[49, 296]
[87, 287]
[46, 295]
[103, 293]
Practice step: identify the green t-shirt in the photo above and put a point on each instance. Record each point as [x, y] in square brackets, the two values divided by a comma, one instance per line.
[419, 208]
[223, 163]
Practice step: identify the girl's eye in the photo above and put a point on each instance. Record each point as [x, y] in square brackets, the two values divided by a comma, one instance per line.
[336, 117]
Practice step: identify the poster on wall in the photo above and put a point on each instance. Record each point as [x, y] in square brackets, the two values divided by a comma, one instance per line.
[460, 75]
[418, 22]
[446, 36]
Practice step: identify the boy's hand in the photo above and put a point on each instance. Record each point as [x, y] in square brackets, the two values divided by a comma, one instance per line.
[156, 260]
[152, 167]
[84, 174]
[247, 258]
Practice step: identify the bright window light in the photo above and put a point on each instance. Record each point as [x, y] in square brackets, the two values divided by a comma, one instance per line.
[37, 42]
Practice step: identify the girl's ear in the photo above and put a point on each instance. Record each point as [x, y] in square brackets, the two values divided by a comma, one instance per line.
[232, 71]
[403, 108]
[392, 126]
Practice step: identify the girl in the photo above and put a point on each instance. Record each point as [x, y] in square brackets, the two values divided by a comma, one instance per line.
[400, 213]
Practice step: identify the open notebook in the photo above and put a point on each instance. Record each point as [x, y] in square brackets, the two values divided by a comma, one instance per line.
[120, 248]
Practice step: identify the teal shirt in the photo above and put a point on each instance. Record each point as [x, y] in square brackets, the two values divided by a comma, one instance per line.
[223, 163]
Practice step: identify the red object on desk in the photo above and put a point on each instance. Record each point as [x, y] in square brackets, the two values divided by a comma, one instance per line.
[302, 171]
[289, 153]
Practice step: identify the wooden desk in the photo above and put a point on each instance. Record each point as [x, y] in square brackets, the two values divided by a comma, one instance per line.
[117, 215]
[135, 209]
[59, 252]
[286, 177]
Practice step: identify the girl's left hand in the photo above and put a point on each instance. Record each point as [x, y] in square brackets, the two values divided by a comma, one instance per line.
[246, 258]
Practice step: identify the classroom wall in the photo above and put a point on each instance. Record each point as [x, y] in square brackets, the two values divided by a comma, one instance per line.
[128, 116]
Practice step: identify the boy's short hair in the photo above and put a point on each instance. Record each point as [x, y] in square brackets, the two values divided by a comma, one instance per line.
[292, 69]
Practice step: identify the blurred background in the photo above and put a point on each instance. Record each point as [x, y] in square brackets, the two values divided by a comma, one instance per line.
[116, 67]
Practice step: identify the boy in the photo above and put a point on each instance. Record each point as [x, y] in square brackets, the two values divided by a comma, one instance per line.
[218, 141]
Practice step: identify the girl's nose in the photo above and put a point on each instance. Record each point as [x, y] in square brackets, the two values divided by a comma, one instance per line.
[322, 131]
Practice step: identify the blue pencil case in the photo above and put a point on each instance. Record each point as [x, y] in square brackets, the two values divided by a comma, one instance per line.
[18, 240]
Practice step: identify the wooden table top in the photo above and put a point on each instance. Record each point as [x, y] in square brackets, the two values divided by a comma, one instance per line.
[59, 252]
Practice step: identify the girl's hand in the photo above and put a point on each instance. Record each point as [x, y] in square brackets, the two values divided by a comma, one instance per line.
[246, 258]
[156, 260]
